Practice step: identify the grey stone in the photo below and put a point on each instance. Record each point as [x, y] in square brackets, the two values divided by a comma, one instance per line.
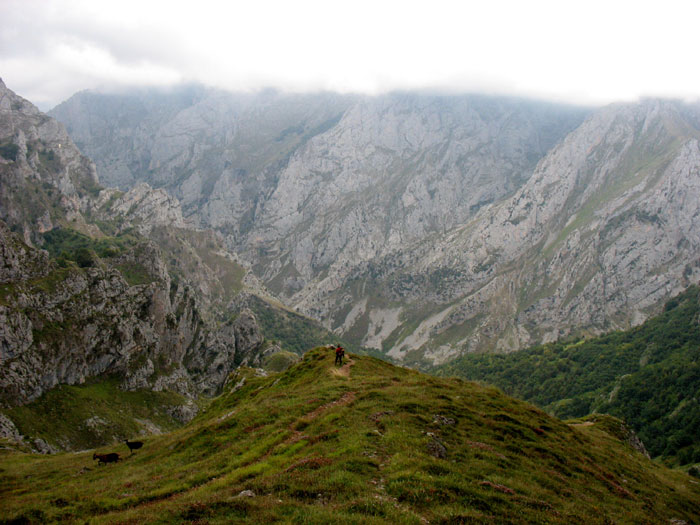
[8, 430]
[42, 447]
[436, 448]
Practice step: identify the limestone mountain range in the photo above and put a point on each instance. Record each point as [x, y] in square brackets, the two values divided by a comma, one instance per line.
[424, 225]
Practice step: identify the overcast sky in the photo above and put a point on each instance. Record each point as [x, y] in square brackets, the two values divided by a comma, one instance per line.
[588, 52]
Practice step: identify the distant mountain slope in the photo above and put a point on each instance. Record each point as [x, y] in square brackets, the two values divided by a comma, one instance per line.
[366, 443]
[605, 230]
[649, 376]
[312, 190]
[429, 226]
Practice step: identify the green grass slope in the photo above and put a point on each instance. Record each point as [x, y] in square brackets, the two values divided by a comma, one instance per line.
[76, 417]
[366, 443]
[649, 376]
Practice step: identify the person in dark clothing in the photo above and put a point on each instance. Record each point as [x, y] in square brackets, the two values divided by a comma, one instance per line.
[339, 353]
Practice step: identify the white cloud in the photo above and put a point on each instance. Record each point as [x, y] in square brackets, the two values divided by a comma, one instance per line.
[589, 52]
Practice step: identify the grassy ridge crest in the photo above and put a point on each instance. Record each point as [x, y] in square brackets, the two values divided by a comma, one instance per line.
[366, 443]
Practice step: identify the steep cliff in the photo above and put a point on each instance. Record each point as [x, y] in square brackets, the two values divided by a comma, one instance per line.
[127, 287]
[46, 182]
[65, 325]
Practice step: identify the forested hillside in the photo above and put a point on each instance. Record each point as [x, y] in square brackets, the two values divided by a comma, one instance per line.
[649, 376]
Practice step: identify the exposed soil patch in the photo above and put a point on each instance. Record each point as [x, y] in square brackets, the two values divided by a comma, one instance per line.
[345, 399]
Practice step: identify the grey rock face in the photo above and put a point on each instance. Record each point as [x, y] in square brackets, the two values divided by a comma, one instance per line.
[310, 190]
[64, 325]
[42, 447]
[265, 169]
[8, 430]
[91, 322]
[80, 323]
[393, 171]
[48, 177]
[185, 413]
[603, 232]
[248, 335]
[216, 152]
[236, 343]
[429, 226]
[144, 207]
[18, 262]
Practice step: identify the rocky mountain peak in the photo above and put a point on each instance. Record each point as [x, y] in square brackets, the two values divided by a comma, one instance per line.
[45, 177]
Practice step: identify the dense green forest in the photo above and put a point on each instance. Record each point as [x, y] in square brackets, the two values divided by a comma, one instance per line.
[649, 376]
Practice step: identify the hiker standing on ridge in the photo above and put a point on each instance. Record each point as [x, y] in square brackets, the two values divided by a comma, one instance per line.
[339, 353]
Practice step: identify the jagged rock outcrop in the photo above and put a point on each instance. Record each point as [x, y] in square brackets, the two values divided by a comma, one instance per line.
[46, 180]
[8, 430]
[70, 324]
[18, 262]
[634, 441]
[146, 309]
[210, 367]
[143, 207]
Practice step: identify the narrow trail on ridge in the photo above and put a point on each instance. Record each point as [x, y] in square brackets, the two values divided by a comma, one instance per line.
[347, 398]
[343, 371]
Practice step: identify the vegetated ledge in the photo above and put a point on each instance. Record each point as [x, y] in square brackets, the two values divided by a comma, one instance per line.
[366, 443]
[77, 417]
